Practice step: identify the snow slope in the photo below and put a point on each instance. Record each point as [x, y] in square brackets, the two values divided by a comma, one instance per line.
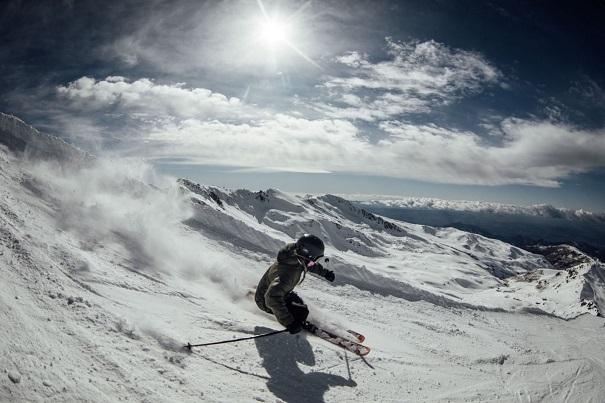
[107, 270]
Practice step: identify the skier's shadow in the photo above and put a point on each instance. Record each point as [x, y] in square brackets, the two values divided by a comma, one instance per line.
[280, 355]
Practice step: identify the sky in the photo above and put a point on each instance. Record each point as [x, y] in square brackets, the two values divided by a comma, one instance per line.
[496, 100]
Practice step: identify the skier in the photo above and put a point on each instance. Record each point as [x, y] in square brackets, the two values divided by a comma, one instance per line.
[274, 293]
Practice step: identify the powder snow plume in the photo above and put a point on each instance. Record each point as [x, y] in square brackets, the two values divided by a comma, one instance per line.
[129, 204]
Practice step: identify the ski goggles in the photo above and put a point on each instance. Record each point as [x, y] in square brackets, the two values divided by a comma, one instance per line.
[312, 263]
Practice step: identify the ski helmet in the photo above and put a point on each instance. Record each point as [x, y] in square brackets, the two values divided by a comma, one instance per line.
[310, 247]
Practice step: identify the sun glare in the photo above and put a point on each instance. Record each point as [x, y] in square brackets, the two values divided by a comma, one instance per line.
[274, 32]
[277, 33]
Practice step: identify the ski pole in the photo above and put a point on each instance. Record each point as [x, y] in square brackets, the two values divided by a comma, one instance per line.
[189, 345]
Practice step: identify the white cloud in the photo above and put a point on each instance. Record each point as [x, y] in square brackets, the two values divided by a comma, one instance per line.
[543, 210]
[209, 128]
[426, 68]
[535, 153]
[294, 144]
[150, 99]
[373, 108]
[416, 77]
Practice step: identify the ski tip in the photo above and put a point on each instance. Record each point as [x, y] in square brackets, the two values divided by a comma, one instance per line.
[360, 337]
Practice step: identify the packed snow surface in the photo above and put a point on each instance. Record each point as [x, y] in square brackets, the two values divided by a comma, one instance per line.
[108, 270]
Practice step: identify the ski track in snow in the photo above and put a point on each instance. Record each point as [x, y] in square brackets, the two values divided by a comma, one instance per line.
[93, 312]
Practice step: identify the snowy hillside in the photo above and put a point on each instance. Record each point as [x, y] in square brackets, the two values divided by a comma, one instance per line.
[443, 266]
[108, 269]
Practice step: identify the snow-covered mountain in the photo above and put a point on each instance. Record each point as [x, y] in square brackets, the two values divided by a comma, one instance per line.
[27, 142]
[443, 266]
[108, 269]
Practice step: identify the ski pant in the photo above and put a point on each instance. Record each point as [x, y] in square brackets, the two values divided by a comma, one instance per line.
[294, 304]
[297, 307]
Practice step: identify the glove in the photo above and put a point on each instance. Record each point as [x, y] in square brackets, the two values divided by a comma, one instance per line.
[294, 327]
[330, 276]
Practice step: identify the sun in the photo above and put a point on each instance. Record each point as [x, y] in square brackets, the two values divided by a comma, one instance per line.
[273, 32]
[278, 33]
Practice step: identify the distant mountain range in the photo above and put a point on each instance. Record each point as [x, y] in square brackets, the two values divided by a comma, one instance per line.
[521, 226]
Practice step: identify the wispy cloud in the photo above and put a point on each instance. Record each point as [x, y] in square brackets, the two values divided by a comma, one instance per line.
[588, 89]
[416, 76]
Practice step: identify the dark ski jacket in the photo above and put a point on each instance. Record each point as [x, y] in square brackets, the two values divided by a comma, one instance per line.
[279, 280]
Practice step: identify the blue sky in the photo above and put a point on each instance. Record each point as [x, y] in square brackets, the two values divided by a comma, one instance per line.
[499, 101]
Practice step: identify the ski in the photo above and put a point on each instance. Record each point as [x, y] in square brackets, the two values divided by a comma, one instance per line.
[341, 342]
[360, 337]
